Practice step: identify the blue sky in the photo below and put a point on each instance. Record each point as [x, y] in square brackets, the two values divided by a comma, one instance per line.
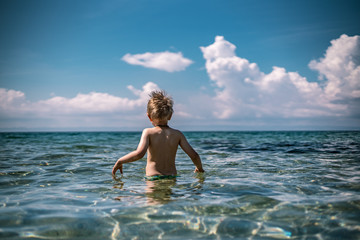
[62, 64]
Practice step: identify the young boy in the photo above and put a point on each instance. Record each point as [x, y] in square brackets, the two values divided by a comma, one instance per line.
[161, 142]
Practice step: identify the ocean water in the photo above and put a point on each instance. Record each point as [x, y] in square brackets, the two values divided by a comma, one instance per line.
[257, 185]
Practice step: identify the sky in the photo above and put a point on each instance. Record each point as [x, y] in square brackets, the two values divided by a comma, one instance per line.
[228, 65]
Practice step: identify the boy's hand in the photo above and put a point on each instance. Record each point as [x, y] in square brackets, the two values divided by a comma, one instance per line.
[116, 167]
[198, 170]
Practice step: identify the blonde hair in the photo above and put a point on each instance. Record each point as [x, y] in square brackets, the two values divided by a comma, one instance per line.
[160, 105]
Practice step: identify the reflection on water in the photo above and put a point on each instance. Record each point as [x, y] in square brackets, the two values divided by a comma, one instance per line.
[160, 191]
[257, 185]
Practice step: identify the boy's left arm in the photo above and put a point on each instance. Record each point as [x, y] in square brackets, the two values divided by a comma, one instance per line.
[184, 144]
[135, 155]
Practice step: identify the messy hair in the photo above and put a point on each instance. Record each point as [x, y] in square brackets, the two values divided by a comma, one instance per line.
[160, 105]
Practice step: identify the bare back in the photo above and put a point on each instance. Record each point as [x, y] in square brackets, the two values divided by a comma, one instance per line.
[163, 144]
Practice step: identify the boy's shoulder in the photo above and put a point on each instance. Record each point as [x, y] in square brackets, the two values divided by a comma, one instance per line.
[154, 130]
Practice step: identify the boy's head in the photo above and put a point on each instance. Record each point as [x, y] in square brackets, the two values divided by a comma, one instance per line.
[160, 106]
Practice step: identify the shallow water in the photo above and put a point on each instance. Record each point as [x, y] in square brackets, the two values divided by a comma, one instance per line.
[257, 185]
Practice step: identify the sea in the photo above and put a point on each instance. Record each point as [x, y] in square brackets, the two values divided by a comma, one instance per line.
[256, 185]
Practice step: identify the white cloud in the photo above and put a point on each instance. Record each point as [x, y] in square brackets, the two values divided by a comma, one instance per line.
[165, 61]
[13, 103]
[10, 97]
[341, 68]
[243, 90]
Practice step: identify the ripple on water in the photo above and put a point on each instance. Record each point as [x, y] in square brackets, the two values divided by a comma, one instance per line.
[94, 227]
[257, 185]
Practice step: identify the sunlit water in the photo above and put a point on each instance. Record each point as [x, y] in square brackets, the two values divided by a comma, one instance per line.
[257, 185]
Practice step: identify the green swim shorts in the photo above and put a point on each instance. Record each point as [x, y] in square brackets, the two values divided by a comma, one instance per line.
[159, 177]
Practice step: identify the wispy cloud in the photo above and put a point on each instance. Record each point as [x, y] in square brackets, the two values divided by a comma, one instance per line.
[165, 61]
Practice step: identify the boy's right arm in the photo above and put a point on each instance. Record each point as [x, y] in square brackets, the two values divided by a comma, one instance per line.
[135, 155]
[184, 144]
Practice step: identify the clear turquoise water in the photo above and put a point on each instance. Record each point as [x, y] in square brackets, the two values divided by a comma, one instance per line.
[257, 185]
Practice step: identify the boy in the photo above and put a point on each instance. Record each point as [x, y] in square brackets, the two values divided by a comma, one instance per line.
[161, 142]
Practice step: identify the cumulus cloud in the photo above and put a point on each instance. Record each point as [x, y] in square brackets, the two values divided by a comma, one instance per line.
[242, 89]
[13, 103]
[165, 61]
[341, 68]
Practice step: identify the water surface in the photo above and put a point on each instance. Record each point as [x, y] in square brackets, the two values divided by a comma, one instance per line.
[257, 185]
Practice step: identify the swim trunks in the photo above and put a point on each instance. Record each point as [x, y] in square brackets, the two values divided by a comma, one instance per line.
[159, 177]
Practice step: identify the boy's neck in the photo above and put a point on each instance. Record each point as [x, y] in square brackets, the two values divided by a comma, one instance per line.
[162, 123]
